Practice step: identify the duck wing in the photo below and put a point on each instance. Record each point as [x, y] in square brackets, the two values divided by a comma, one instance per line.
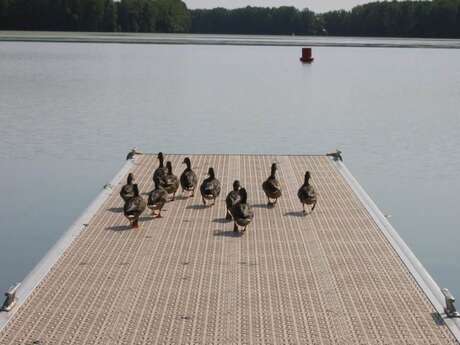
[210, 187]
[160, 173]
[242, 211]
[134, 205]
[188, 180]
[232, 199]
[170, 183]
[272, 187]
[127, 192]
[157, 197]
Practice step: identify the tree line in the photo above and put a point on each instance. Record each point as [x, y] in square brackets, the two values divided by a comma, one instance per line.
[95, 15]
[437, 18]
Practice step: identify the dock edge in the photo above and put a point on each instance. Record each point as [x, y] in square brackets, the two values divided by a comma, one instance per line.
[39, 272]
[415, 267]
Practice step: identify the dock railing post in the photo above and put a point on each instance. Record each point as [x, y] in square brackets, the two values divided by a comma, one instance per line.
[10, 300]
[450, 307]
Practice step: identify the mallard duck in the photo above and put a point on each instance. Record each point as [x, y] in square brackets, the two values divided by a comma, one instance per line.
[134, 207]
[188, 179]
[272, 187]
[232, 198]
[161, 171]
[157, 198]
[241, 212]
[210, 188]
[307, 194]
[127, 191]
[170, 182]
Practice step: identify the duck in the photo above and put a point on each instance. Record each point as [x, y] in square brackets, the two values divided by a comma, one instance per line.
[161, 171]
[307, 194]
[134, 207]
[127, 191]
[272, 187]
[188, 178]
[232, 198]
[242, 212]
[210, 188]
[170, 182]
[157, 199]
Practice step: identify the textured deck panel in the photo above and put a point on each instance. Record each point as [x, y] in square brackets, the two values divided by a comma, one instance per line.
[328, 278]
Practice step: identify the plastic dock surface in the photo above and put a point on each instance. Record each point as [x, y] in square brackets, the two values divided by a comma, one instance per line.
[340, 275]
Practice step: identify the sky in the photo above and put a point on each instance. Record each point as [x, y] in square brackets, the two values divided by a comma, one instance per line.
[314, 5]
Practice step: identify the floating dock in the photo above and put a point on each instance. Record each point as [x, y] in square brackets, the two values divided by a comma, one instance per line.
[340, 275]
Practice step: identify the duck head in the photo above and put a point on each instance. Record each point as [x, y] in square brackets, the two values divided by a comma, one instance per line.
[169, 167]
[307, 177]
[161, 158]
[211, 173]
[187, 162]
[243, 195]
[273, 170]
[236, 185]
[130, 178]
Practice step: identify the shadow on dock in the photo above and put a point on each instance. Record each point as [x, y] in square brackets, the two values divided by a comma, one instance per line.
[119, 228]
[197, 207]
[298, 214]
[261, 206]
[115, 209]
[221, 220]
[228, 233]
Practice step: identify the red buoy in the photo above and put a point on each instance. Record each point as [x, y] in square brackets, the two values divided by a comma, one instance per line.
[306, 55]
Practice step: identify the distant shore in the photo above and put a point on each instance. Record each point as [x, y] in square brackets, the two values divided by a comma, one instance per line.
[236, 40]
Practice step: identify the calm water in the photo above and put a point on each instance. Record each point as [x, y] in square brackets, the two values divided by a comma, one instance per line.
[70, 112]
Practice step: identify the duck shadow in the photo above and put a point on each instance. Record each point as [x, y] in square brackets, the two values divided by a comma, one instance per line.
[298, 214]
[227, 233]
[181, 197]
[119, 228]
[115, 209]
[146, 218]
[221, 220]
[262, 206]
[197, 207]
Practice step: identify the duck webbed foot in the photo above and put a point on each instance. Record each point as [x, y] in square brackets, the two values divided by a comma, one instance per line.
[313, 207]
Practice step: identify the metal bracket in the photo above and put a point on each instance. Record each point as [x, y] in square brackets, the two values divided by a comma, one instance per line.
[450, 307]
[132, 153]
[108, 186]
[337, 155]
[10, 300]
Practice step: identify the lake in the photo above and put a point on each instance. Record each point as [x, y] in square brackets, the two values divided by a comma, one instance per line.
[71, 111]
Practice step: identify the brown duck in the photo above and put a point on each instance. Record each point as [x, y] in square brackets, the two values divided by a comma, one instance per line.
[134, 207]
[157, 199]
[127, 191]
[188, 178]
[272, 187]
[242, 212]
[210, 188]
[307, 194]
[232, 198]
[170, 182]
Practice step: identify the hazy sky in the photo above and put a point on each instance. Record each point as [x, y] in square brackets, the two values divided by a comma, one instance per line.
[315, 5]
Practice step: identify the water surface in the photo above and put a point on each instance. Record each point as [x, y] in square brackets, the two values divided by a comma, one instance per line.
[70, 112]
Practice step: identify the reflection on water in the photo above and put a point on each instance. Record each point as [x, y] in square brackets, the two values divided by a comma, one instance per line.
[70, 112]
